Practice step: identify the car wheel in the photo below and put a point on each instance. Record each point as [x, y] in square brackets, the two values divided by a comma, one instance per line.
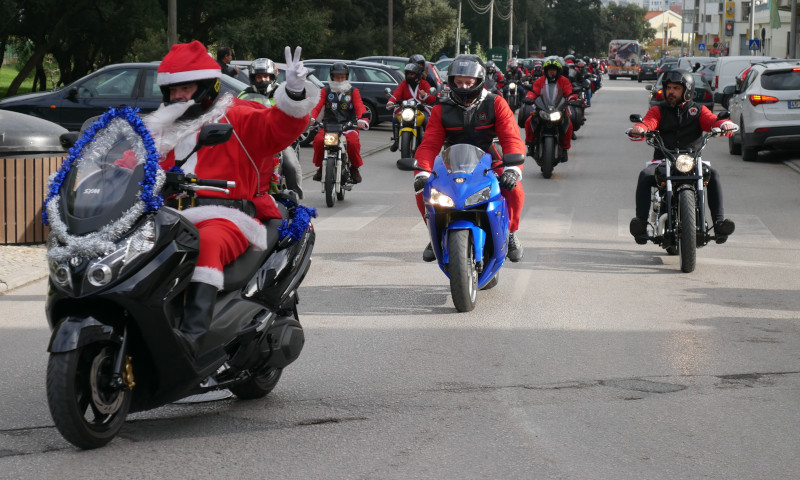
[373, 114]
[734, 147]
[749, 152]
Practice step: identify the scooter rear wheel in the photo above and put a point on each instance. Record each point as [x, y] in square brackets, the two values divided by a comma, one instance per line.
[259, 385]
[86, 410]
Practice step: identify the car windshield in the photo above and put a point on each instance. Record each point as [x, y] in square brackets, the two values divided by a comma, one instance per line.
[102, 182]
[462, 158]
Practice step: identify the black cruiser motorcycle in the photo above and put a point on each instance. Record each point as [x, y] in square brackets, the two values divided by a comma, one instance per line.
[119, 263]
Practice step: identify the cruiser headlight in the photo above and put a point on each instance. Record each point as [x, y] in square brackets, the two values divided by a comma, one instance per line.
[684, 163]
[331, 139]
[101, 271]
[478, 197]
[512, 86]
[439, 198]
[407, 115]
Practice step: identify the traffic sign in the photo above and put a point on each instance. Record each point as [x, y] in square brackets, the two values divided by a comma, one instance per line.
[701, 47]
[755, 44]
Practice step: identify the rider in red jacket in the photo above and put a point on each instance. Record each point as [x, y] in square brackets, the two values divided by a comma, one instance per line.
[416, 87]
[552, 75]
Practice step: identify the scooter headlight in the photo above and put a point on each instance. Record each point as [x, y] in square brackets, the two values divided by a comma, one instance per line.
[439, 198]
[331, 139]
[684, 163]
[101, 271]
[407, 115]
[478, 197]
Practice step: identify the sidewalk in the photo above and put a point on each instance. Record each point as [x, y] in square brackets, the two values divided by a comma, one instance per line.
[23, 264]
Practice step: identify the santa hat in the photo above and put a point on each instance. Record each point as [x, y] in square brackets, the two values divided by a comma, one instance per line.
[187, 62]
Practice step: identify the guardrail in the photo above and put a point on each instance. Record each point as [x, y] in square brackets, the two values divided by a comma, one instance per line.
[23, 188]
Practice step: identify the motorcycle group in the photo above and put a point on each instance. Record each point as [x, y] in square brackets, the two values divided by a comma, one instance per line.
[178, 243]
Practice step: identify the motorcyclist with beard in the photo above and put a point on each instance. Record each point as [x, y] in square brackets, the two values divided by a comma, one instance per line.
[470, 114]
[413, 87]
[340, 102]
[681, 122]
[495, 81]
[190, 82]
[552, 78]
[263, 81]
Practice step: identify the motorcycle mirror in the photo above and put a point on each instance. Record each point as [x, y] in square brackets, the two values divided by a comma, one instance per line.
[635, 117]
[513, 159]
[432, 90]
[407, 164]
[648, 87]
[69, 139]
[723, 115]
[388, 91]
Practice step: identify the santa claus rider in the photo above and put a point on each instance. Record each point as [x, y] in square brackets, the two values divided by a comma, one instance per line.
[190, 82]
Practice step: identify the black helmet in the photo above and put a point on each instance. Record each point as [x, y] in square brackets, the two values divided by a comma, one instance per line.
[263, 66]
[418, 59]
[681, 77]
[466, 66]
[413, 73]
[490, 67]
[340, 67]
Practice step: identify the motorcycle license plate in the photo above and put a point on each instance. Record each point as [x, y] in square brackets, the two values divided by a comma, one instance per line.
[794, 103]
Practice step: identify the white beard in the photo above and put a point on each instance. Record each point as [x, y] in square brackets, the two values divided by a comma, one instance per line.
[169, 134]
[340, 87]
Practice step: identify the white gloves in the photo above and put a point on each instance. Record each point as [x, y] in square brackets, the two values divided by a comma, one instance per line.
[295, 71]
[363, 124]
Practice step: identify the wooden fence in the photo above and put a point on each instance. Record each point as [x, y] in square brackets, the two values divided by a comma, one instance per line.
[23, 188]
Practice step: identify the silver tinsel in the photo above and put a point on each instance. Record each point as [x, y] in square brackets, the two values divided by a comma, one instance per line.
[102, 242]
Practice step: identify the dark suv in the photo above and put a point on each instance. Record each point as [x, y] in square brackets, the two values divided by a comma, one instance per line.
[371, 79]
[131, 84]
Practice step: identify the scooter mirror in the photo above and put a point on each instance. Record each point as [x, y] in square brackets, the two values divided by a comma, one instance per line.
[407, 164]
[513, 159]
[635, 117]
[214, 134]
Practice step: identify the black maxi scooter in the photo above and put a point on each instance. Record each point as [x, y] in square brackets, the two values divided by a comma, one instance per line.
[119, 264]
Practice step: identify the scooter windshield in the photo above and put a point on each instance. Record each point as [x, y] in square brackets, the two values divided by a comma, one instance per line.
[104, 181]
[462, 158]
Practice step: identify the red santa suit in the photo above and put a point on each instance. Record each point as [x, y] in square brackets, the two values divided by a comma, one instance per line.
[420, 93]
[493, 118]
[340, 102]
[566, 88]
[259, 133]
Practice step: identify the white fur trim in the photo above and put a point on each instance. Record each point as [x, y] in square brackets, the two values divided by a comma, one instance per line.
[166, 78]
[210, 276]
[295, 108]
[255, 233]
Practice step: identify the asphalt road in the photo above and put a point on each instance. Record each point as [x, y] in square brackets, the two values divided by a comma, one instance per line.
[594, 358]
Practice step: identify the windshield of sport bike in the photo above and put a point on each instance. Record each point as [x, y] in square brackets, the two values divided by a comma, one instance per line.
[104, 180]
[551, 93]
[462, 158]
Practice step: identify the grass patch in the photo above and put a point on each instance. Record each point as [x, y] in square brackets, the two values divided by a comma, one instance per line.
[7, 75]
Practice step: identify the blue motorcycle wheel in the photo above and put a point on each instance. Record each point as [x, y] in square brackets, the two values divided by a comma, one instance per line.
[462, 270]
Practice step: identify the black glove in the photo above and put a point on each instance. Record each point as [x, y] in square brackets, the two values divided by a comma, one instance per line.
[419, 183]
[508, 180]
[527, 100]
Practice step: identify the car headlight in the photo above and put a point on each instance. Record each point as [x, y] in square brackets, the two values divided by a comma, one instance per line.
[331, 139]
[407, 115]
[478, 197]
[684, 163]
[439, 198]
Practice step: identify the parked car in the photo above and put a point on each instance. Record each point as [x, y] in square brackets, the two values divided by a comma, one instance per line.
[666, 67]
[244, 72]
[398, 62]
[702, 91]
[728, 68]
[767, 108]
[370, 78]
[706, 67]
[442, 65]
[131, 84]
[648, 71]
[401, 62]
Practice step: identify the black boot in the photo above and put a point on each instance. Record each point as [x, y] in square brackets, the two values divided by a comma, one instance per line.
[200, 299]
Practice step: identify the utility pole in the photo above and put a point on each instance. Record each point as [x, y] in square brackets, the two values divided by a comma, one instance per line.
[752, 23]
[683, 23]
[391, 31]
[491, 21]
[172, 23]
[511, 31]
[458, 32]
[793, 31]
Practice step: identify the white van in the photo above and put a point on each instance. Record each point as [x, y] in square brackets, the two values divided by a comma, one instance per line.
[727, 70]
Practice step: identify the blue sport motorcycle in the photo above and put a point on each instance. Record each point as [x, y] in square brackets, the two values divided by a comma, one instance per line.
[467, 219]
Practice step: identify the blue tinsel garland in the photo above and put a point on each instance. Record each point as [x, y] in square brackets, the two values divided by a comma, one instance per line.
[297, 225]
[152, 199]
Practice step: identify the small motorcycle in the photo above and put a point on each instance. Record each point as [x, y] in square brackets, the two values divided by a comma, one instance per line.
[549, 120]
[513, 94]
[335, 162]
[677, 220]
[467, 219]
[119, 264]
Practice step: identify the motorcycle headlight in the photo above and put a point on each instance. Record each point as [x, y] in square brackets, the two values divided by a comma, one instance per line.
[439, 198]
[478, 197]
[101, 271]
[555, 116]
[407, 115]
[331, 139]
[684, 163]
[512, 86]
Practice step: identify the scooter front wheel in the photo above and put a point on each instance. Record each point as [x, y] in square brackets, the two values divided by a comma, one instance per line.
[462, 270]
[87, 410]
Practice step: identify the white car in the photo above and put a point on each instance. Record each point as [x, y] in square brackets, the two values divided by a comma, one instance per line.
[767, 108]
